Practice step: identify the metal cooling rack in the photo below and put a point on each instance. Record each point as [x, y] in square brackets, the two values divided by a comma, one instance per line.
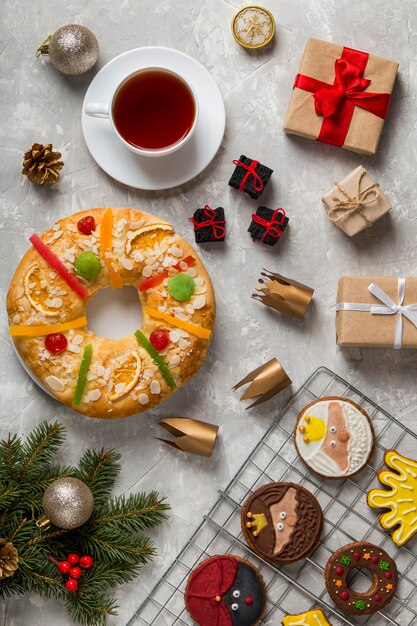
[300, 586]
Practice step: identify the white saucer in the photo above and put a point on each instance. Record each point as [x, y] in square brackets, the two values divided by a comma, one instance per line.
[145, 172]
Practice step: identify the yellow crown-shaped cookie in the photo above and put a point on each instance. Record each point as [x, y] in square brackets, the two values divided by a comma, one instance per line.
[312, 428]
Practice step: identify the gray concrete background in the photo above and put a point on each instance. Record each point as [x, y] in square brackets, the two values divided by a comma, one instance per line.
[39, 104]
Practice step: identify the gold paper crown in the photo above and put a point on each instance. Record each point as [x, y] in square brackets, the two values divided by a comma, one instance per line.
[314, 428]
[267, 380]
[256, 521]
[190, 435]
[283, 294]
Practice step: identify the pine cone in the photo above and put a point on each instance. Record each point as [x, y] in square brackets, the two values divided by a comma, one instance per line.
[41, 164]
[9, 559]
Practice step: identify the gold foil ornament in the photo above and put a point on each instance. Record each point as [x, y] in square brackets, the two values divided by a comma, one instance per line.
[72, 49]
[266, 381]
[67, 503]
[190, 435]
[283, 294]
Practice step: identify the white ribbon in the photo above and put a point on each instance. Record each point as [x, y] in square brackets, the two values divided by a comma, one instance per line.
[389, 308]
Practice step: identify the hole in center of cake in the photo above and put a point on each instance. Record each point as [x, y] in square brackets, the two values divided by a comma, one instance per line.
[361, 580]
[114, 313]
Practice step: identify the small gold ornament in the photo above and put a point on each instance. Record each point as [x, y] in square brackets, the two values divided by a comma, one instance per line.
[9, 559]
[253, 27]
[72, 49]
[68, 503]
[41, 164]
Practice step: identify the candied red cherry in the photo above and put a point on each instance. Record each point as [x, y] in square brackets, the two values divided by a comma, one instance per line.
[75, 572]
[159, 339]
[86, 562]
[86, 225]
[64, 567]
[71, 585]
[73, 559]
[55, 343]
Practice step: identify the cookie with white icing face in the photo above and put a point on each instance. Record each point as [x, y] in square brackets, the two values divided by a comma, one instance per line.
[334, 437]
[282, 522]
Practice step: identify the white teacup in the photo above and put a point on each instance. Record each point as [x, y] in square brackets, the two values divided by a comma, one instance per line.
[106, 111]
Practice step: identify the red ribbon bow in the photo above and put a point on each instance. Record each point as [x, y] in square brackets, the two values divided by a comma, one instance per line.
[337, 102]
[250, 171]
[270, 227]
[209, 582]
[219, 230]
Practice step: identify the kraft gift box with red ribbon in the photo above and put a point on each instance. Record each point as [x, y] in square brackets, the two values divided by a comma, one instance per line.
[341, 96]
[377, 311]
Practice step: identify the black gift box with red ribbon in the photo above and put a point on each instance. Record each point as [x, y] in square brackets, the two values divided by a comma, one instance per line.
[268, 225]
[250, 176]
[209, 224]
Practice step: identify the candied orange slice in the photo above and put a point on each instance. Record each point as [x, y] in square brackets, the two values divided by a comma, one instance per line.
[126, 373]
[147, 236]
[37, 292]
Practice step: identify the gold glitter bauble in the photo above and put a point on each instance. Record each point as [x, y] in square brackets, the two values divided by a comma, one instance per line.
[72, 49]
[68, 503]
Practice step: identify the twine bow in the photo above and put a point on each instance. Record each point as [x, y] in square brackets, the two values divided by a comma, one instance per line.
[250, 171]
[353, 204]
[388, 307]
[270, 227]
[212, 222]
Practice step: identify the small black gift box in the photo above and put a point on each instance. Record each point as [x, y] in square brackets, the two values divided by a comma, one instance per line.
[268, 225]
[250, 176]
[209, 224]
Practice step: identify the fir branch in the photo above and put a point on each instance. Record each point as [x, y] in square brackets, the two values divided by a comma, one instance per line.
[99, 471]
[90, 609]
[102, 576]
[132, 514]
[10, 457]
[121, 546]
[41, 445]
[10, 493]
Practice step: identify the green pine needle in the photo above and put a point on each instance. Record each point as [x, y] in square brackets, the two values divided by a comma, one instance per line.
[113, 535]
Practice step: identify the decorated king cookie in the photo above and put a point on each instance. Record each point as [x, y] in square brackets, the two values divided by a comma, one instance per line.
[225, 590]
[361, 554]
[282, 522]
[66, 266]
[400, 498]
[334, 437]
[314, 617]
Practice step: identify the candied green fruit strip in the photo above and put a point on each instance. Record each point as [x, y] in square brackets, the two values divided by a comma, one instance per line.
[154, 354]
[82, 374]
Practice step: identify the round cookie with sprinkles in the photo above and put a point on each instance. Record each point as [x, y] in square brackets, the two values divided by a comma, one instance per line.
[334, 437]
[361, 555]
[225, 590]
[282, 522]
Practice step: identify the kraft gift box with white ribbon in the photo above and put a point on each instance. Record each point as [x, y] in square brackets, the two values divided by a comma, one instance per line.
[377, 311]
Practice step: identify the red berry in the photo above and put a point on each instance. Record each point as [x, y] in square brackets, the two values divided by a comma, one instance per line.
[377, 597]
[73, 559]
[75, 572]
[86, 562]
[375, 559]
[339, 571]
[86, 225]
[71, 585]
[55, 343]
[357, 556]
[388, 575]
[64, 567]
[344, 595]
[159, 339]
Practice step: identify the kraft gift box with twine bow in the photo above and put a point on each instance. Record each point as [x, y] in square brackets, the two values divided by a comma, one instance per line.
[340, 96]
[377, 311]
[356, 202]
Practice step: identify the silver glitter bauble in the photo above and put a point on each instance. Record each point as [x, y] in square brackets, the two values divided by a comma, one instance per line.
[72, 49]
[68, 503]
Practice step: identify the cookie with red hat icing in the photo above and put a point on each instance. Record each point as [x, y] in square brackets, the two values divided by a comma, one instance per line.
[282, 522]
[225, 590]
[334, 437]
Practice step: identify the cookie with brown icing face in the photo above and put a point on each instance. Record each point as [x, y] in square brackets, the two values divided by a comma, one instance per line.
[282, 522]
